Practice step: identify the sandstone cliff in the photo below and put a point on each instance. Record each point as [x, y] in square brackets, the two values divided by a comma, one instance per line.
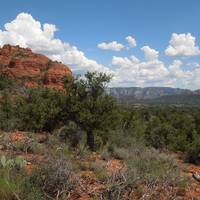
[32, 69]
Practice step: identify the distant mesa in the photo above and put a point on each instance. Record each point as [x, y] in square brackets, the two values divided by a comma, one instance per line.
[32, 69]
[155, 95]
[147, 92]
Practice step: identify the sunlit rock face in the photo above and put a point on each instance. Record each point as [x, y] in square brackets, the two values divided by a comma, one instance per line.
[31, 68]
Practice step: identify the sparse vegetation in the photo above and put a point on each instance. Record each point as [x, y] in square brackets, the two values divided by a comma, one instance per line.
[87, 132]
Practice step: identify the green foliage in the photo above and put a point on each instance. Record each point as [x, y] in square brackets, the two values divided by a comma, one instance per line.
[9, 184]
[193, 150]
[53, 179]
[83, 102]
[56, 178]
[151, 166]
[160, 136]
[8, 118]
[39, 109]
[71, 134]
[6, 163]
[5, 82]
[143, 166]
[99, 171]
[7, 189]
[173, 128]
[82, 150]
[89, 106]
[18, 162]
[84, 108]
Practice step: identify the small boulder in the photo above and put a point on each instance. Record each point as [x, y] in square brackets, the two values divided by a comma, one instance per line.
[196, 176]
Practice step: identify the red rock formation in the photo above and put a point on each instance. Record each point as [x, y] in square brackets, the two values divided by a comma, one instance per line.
[33, 69]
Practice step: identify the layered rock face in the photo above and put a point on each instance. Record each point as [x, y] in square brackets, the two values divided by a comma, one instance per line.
[32, 69]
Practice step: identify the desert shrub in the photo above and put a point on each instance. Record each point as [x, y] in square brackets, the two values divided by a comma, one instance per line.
[36, 148]
[193, 151]
[57, 147]
[116, 185]
[105, 153]
[11, 177]
[53, 178]
[28, 146]
[144, 167]
[99, 139]
[30, 192]
[82, 150]
[8, 118]
[152, 166]
[56, 177]
[116, 182]
[121, 143]
[120, 153]
[8, 188]
[9, 164]
[71, 134]
[120, 138]
[160, 136]
[23, 145]
[180, 142]
[4, 141]
[53, 140]
[5, 82]
[39, 109]
[99, 170]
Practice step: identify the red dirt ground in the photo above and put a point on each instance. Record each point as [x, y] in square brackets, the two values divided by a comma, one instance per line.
[89, 184]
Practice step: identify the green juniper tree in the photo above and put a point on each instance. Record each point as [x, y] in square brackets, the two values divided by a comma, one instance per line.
[6, 103]
[39, 109]
[88, 105]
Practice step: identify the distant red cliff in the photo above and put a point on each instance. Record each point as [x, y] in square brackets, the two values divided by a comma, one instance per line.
[32, 69]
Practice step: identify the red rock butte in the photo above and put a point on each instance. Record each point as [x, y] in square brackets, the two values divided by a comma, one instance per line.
[32, 69]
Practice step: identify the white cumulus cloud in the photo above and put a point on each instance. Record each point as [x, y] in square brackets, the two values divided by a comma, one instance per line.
[182, 45]
[149, 53]
[179, 77]
[132, 71]
[28, 32]
[131, 41]
[113, 46]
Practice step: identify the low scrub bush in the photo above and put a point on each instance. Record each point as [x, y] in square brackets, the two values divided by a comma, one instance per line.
[71, 134]
[193, 151]
[143, 167]
[11, 177]
[99, 170]
[151, 166]
[56, 177]
[117, 184]
[105, 153]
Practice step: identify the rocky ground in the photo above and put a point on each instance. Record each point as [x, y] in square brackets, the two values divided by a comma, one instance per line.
[193, 185]
[90, 184]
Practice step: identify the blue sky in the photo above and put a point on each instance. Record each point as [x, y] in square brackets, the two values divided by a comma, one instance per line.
[86, 24]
